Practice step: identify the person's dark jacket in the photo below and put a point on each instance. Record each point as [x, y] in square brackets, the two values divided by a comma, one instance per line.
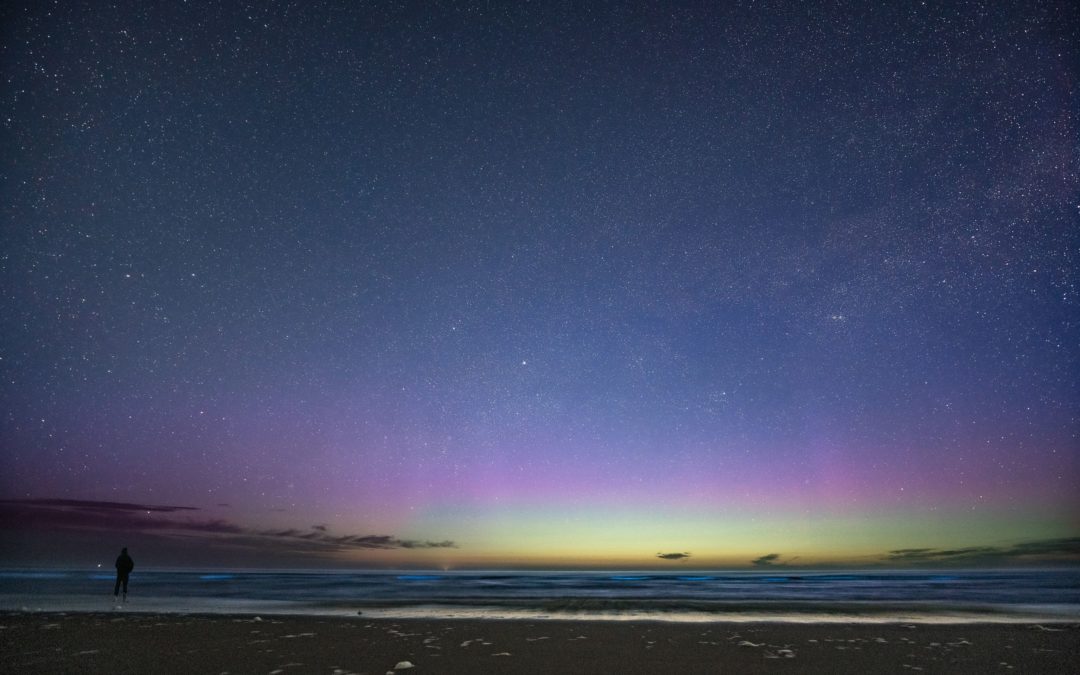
[124, 564]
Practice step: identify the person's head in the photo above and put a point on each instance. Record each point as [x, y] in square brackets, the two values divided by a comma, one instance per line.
[124, 550]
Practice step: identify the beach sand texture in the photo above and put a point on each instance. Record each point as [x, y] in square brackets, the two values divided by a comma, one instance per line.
[148, 643]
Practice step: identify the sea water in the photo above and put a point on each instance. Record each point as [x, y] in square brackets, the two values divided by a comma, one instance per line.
[774, 595]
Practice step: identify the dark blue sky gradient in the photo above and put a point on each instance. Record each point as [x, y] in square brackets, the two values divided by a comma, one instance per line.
[344, 262]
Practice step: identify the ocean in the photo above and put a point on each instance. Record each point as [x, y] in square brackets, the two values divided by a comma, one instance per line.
[773, 595]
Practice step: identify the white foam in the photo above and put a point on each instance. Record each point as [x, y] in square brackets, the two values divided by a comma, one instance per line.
[162, 605]
[243, 607]
[500, 613]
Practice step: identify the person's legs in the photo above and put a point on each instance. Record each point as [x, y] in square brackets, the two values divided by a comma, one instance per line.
[116, 588]
[125, 580]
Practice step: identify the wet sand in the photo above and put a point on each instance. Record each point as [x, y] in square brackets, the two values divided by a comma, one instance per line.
[151, 643]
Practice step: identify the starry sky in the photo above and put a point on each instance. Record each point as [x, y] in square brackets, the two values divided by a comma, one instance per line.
[540, 284]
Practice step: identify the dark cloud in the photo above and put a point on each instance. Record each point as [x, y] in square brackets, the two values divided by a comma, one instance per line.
[766, 560]
[909, 552]
[446, 543]
[1063, 549]
[96, 506]
[1063, 546]
[673, 556]
[45, 514]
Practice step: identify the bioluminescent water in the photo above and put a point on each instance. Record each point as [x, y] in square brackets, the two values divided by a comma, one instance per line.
[877, 595]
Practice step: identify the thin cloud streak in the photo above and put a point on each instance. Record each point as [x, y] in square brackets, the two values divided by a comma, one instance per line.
[1067, 549]
[121, 507]
[44, 514]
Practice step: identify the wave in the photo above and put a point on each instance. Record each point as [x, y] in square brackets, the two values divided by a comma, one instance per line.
[581, 591]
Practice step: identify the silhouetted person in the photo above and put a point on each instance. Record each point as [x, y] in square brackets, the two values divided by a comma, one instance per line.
[124, 565]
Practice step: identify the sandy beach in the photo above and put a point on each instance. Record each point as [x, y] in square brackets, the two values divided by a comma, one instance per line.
[154, 643]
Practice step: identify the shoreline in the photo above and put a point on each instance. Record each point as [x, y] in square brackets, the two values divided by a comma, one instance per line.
[136, 642]
[734, 613]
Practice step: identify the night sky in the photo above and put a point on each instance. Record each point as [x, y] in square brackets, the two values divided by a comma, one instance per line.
[563, 284]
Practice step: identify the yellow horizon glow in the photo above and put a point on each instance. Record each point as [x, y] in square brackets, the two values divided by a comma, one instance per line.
[541, 538]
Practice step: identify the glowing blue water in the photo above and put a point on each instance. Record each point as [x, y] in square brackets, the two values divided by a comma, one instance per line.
[1013, 588]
